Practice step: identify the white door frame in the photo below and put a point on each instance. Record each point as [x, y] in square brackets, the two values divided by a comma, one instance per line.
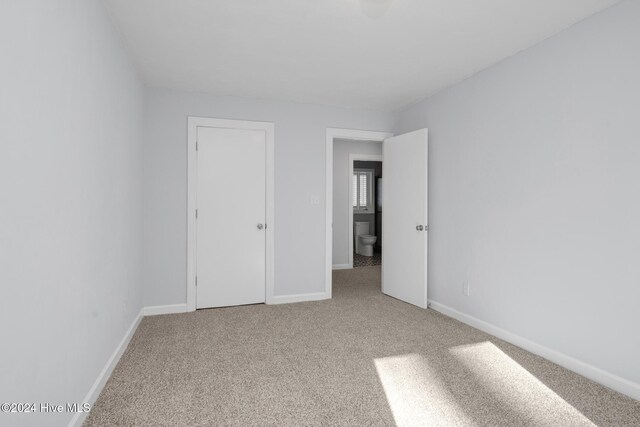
[332, 134]
[192, 181]
[353, 157]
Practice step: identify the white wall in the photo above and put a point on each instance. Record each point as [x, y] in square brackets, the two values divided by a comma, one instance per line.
[341, 183]
[71, 188]
[300, 140]
[534, 192]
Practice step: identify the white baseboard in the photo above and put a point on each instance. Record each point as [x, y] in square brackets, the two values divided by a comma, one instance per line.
[165, 309]
[596, 374]
[341, 266]
[286, 299]
[104, 375]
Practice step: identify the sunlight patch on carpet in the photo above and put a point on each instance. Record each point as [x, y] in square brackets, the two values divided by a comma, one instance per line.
[516, 388]
[416, 394]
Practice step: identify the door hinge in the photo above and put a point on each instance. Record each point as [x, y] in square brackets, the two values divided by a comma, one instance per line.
[265, 225]
[196, 213]
[196, 280]
[196, 145]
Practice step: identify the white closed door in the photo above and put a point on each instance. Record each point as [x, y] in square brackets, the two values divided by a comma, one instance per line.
[404, 219]
[231, 212]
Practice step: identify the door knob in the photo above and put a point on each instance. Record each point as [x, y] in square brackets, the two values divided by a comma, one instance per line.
[260, 226]
[419, 227]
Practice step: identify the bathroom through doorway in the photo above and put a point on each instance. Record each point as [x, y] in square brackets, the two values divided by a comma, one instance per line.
[366, 210]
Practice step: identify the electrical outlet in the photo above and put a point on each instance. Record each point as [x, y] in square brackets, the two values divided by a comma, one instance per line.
[315, 200]
[465, 289]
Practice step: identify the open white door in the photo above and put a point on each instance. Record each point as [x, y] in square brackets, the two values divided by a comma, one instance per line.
[404, 218]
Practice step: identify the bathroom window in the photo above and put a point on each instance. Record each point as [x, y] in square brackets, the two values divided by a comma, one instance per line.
[362, 185]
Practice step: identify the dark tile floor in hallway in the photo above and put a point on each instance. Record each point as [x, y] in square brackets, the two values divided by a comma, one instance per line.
[367, 261]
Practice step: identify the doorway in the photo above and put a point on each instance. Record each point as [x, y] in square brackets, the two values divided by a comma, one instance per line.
[230, 208]
[346, 257]
[404, 225]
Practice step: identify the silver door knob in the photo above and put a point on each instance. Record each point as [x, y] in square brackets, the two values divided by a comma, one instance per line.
[260, 226]
[419, 227]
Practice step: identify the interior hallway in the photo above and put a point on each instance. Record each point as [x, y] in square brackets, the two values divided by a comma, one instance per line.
[360, 358]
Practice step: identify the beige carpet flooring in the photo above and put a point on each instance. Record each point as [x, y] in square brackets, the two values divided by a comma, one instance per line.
[361, 358]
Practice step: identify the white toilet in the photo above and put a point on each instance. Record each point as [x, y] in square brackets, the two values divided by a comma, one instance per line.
[364, 241]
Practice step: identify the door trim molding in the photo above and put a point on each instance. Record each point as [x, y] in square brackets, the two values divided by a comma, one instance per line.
[192, 180]
[338, 133]
[353, 157]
